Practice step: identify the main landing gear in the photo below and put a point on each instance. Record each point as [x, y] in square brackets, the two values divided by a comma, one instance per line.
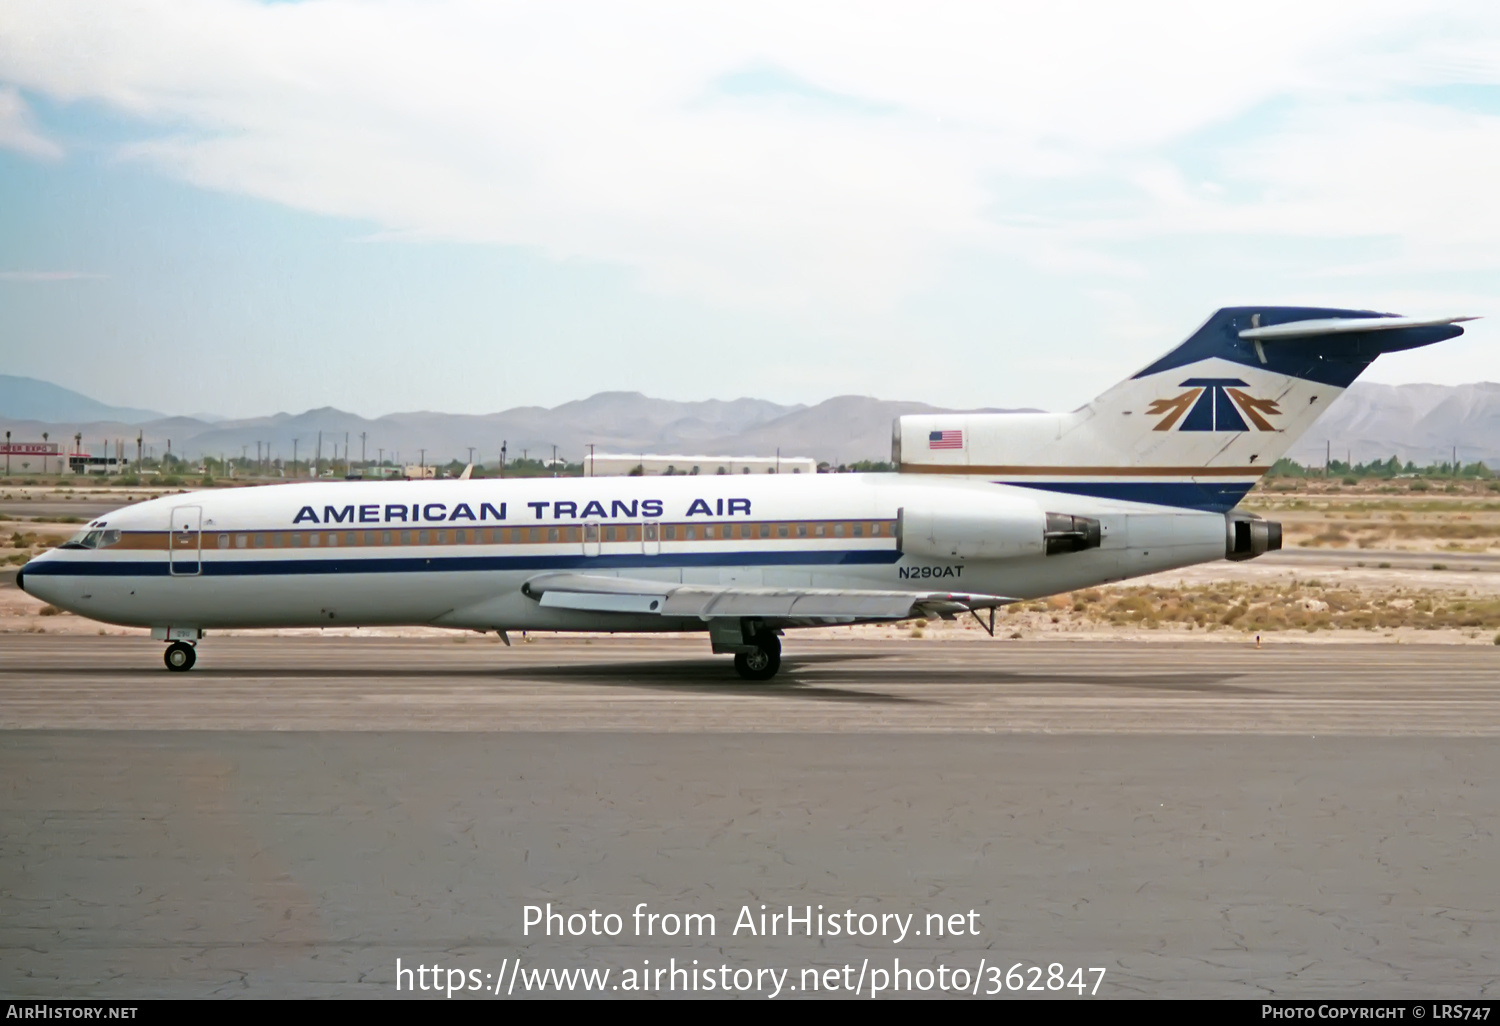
[180, 656]
[762, 661]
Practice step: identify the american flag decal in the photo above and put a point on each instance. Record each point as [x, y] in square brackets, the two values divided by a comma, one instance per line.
[945, 440]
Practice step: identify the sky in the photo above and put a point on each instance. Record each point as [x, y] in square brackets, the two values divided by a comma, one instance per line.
[243, 208]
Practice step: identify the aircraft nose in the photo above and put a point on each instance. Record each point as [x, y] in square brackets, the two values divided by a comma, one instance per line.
[21, 578]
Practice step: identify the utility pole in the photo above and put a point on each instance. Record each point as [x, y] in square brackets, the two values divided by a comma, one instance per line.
[380, 460]
[7, 454]
[502, 457]
[1327, 457]
[554, 461]
[471, 455]
[318, 460]
[362, 451]
[139, 438]
[294, 455]
[422, 465]
[591, 459]
[778, 459]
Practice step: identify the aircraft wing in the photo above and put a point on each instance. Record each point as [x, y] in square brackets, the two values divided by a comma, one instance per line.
[706, 601]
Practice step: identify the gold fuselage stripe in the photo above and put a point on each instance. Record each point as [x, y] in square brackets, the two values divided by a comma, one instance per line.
[540, 534]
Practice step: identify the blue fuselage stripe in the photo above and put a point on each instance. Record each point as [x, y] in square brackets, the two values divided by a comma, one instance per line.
[220, 567]
[1215, 497]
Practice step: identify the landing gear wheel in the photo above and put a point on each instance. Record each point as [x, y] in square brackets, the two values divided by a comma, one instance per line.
[180, 656]
[763, 662]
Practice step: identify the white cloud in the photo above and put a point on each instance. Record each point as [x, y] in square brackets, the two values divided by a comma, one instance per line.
[602, 132]
[17, 131]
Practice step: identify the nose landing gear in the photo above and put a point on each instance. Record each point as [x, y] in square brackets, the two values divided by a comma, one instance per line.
[180, 656]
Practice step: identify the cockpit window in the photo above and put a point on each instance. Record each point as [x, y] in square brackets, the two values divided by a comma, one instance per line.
[88, 539]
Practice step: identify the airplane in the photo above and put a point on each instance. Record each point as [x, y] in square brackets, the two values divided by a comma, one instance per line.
[984, 510]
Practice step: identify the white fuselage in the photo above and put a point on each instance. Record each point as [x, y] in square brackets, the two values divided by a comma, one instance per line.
[456, 553]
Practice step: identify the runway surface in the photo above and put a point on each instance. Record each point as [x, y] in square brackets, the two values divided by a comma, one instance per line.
[1303, 820]
[674, 685]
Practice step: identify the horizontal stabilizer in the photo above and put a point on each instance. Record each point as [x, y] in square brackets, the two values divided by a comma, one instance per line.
[626, 595]
[1343, 325]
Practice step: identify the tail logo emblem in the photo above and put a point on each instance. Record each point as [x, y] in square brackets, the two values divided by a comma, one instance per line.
[1214, 404]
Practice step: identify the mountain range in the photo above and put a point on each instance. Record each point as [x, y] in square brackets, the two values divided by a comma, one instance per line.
[1370, 421]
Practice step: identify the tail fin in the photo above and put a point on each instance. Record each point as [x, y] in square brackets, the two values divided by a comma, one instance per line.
[1195, 429]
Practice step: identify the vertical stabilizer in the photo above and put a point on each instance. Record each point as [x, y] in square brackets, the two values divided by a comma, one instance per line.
[1196, 429]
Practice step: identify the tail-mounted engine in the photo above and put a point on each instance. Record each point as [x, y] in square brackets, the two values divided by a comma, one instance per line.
[969, 526]
[1249, 536]
[1066, 533]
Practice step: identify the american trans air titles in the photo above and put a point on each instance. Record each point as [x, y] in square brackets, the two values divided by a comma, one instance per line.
[552, 509]
[989, 509]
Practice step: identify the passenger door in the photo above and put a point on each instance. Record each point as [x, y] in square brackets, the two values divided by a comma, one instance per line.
[185, 541]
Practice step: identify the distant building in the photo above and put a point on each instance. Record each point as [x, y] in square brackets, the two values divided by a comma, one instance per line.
[651, 464]
[417, 472]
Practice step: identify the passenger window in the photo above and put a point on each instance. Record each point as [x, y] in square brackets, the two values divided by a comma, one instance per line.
[820, 530]
[333, 538]
[385, 537]
[669, 532]
[314, 538]
[874, 530]
[691, 533]
[461, 537]
[405, 537]
[708, 530]
[422, 537]
[260, 541]
[590, 532]
[552, 534]
[296, 540]
[765, 530]
[348, 537]
[536, 534]
[651, 532]
[442, 537]
[801, 530]
[609, 533]
[223, 541]
[632, 533]
[838, 530]
[240, 541]
[782, 530]
[859, 530]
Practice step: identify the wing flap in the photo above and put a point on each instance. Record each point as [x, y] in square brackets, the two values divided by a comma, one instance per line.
[631, 595]
[790, 602]
[603, 602]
